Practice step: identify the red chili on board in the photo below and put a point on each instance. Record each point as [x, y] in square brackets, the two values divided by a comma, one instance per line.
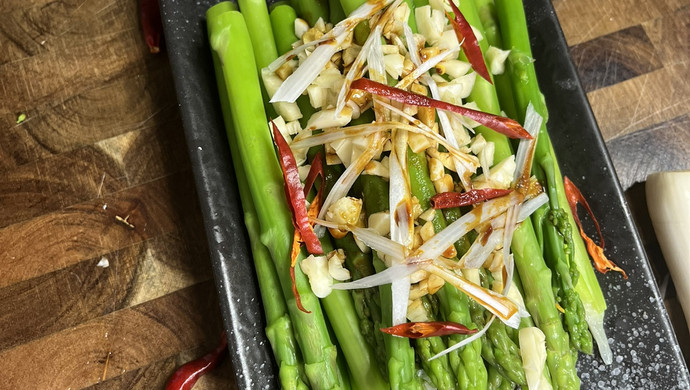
[601, 262]
[470, 44]
[151, 24]
[418, 330]
[447, 200]
[295, 193]
[186, 375]
[497, 123]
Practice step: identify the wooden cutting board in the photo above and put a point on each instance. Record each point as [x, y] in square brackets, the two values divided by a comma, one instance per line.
[104, 275]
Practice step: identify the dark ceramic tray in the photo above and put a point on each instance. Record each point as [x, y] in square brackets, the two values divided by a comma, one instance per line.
[646, 353]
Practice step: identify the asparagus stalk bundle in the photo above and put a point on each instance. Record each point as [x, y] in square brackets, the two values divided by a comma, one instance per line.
[421, 188]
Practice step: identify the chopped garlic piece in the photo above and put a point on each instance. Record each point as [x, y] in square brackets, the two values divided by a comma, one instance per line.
[418, 142]
[416, 311]
[345, 211]
[456, 68]
[378, 168]
[394, 64]
[336, 259]
[478, 143]
[501, 175]
[303, 172]
[418, 275]
[448, 40]
[301, 27]
[436, 170]
[326, 118]
[434, 283]
[428, 215]
[486, 158]
[427, 231]
[457, 89]
[380, 222]
[430, 23]
[316, 269]
[444, 184]
[496, 59]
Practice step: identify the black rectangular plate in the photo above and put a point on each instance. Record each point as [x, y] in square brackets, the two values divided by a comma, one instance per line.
[645, 351]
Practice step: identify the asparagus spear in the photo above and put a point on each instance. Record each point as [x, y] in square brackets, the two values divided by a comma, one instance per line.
[535, 275]
[230, 39]
[526, 88]
[400, 354]
[279, 326]
[283, 24]
[467, 361]
[498, 381]
[438, 369]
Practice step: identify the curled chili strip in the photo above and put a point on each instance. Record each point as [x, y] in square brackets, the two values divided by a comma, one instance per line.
[447, 200]
[470, 44]
[601, 262]
[315, 170]
[418, 330]
[186, 375]
[295, 193]
[151, 24]
[497, 123]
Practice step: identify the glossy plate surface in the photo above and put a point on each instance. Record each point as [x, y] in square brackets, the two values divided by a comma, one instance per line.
[646, 353]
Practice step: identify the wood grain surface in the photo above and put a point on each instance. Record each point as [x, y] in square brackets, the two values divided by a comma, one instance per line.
[102, 142]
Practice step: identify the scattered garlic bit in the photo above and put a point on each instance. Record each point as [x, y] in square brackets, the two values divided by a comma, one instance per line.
[416, 208]
[303, 172]
[336, 259]
[380, 222]
[440, 5]
[457, 89]
[289, 111]
[378, 168]
[417, 238]
[434, 283]
[331, 156]
[430, 23]
[444, 157]
[436, 170]
[418, 290]
[501, 175]
[448, 41]
[419, 142]
[316, 269]
[428, 215]
[300, 154]
[293, 127]
[301, 27]
[326, 118]
[286, 69]
[496, 59]
[444, 184]
[344, 211]
[394, 64]
[486, 158]
[427, 231]
[418, 276]
[416, 311]
[350, 53]
[478, 143]
[426, 115]
[456, 68]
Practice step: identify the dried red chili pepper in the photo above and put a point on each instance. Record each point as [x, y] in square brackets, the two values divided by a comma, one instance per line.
[151, 24]
[497, 123]
[601, 262]
[315, 170]
[186, 375]
[295, 193]
[447, 200]
[470, 44]
[418, 330]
